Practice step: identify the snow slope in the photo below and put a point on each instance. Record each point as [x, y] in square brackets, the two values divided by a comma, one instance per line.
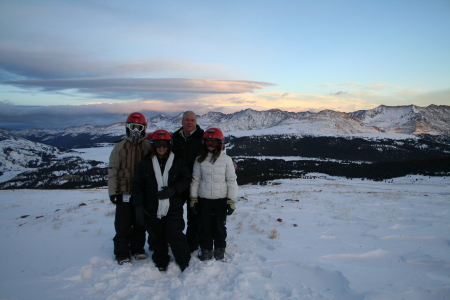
[327, 238]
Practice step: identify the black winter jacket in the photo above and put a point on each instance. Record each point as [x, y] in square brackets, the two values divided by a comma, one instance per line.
[144, 186]
[188, 149]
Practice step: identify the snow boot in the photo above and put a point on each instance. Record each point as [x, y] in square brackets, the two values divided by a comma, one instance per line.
[140, 255]
[162, 268]
[183, 267]
[205, 254]
[123, 260]
[219, 253]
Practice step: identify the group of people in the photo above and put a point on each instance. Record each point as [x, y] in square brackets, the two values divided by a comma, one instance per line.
[151, 177]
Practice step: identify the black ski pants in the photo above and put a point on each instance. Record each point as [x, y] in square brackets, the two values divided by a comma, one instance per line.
[168, 229]
[193, 225]
[130, 236]
[213, 219]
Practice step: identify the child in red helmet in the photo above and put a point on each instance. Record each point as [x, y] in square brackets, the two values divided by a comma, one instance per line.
[213, 194]
[157, 188]
[125, 156]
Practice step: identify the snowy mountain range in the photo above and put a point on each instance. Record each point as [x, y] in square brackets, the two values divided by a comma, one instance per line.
[409, 120]
[39, 157]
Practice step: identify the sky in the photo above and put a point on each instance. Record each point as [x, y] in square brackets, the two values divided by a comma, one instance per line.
[95, 62]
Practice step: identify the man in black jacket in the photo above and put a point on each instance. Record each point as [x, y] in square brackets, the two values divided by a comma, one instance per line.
[187, 142]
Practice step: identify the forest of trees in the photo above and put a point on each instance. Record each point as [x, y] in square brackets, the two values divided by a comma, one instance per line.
[340, 148]
[256, 171]
[338, 156]
[335, 156]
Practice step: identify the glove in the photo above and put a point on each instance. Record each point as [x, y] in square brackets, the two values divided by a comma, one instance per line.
[231, 206]
[115, 198]
[166, 192]
[139, 211]
[194, 204]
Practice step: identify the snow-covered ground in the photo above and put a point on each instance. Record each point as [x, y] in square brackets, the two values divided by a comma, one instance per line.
[327, 238]
[98, 154]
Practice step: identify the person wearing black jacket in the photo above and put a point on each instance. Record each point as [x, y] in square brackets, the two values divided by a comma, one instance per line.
[187, 142]
[157, 187]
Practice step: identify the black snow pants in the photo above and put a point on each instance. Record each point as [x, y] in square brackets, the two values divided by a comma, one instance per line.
[213, 219]
[130, 236]
[168, 229]
[193, 225]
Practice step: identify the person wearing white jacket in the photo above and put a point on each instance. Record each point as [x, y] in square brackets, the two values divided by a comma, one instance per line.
[213, 194]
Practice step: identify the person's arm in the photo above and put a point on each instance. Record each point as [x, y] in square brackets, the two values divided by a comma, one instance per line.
[138, 185]
[113, 169]
[184, 180]
[196, 176]
[231, 179]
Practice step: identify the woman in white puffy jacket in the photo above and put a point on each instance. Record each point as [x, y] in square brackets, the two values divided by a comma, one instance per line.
[213, 194]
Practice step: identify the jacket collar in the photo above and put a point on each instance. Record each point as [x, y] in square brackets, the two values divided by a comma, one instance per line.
[198, 132]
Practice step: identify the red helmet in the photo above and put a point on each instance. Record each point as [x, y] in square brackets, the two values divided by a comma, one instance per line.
[161, 134]
[137, 117]
[214, 134]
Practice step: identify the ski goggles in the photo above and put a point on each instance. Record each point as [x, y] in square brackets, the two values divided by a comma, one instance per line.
[135, 126]
[211, 143]
[161, 144]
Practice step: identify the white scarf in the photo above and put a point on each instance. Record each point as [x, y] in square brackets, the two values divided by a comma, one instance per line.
[164, 204]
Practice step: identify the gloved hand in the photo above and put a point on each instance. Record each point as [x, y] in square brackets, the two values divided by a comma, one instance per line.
[194, 204]
[139, 211]
[231, 206]
[115, 198]
[166, 192]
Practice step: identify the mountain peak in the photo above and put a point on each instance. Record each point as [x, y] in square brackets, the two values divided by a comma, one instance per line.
[406, 119]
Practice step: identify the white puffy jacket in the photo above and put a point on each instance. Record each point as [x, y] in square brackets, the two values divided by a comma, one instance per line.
[214, 180]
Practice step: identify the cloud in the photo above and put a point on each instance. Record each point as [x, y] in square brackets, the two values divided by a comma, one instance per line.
[350, 84]
[37, 62]
[61, 116]
[379, 86]
[338, 93]
[346, 84]
[326, 84]
[144, 85]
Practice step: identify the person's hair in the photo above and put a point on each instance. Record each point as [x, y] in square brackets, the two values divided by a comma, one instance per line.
[165, 156]
[189, 112]
[204, 153]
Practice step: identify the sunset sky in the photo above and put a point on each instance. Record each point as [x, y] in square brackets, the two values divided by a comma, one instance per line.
[66, 63]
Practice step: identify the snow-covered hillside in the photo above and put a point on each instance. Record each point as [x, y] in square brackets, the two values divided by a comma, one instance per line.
[24, 163]
[18, 155]
[327, 238]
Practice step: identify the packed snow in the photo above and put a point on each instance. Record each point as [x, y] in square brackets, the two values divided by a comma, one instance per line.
[323, 238]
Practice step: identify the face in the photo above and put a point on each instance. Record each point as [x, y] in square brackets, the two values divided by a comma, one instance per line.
[161, 151]
[211, 145]
[161, 147]
[189, 122]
